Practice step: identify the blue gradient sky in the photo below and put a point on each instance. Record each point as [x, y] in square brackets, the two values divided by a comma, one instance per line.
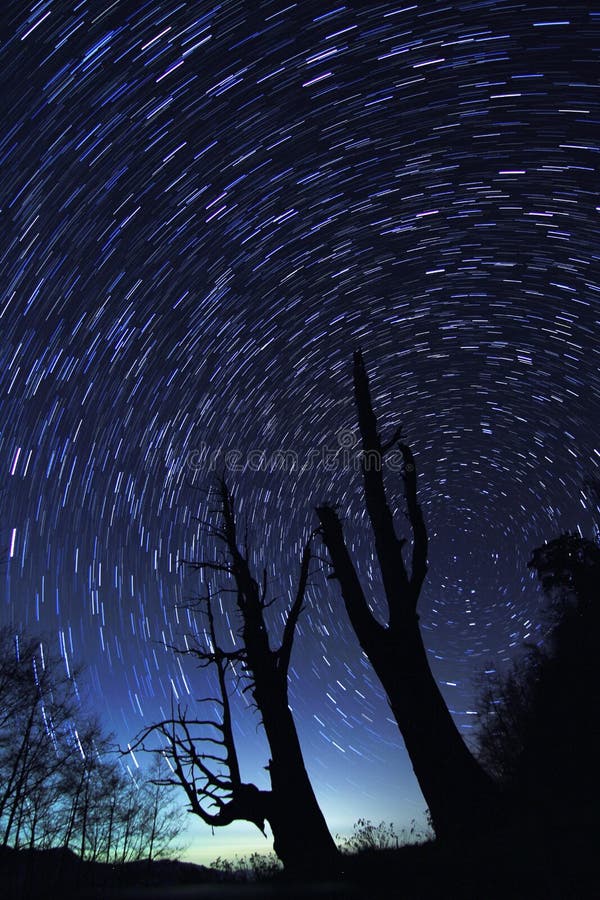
[206, 208]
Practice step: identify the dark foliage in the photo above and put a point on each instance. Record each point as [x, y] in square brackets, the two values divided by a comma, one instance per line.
[58, 872]
[539, 730]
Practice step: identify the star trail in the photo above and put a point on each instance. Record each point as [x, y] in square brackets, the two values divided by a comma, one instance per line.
[205, 209]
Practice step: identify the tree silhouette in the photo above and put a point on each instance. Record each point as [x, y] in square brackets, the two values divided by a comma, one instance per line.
[568, 568]
[37, 705]
[61, 786]
[539, 732]
[459, 794]
[202, 752]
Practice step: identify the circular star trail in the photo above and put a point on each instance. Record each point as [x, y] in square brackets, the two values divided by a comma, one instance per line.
[205, 209]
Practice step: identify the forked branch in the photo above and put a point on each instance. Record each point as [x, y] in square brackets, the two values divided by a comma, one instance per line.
[285, 651]
[417, 524]
[365, 625]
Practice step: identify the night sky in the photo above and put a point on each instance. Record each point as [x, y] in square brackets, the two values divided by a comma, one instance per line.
[205, 209]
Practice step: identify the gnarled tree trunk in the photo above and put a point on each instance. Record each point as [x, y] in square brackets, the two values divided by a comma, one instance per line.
[459, 794]
[211, 778]
[301, 838]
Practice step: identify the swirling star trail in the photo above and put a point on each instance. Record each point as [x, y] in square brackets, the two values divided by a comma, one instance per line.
[205, 208]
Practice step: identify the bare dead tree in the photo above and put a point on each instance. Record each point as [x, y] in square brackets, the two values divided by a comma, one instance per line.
[460, 795]
[162, 822]
[202, 751]
[37, 704]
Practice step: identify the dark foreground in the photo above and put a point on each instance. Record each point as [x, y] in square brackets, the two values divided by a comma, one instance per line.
[515, 864]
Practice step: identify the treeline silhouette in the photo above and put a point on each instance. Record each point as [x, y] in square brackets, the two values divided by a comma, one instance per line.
[62, 785]
[484, 798]
[510, 814]
[539, 726]
[203, 758]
